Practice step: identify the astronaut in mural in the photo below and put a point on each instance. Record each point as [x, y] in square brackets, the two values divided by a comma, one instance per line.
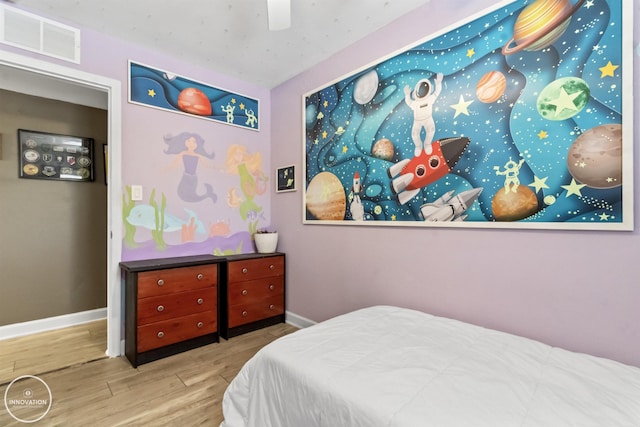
[229, 110]
[251, 118]
[421, 101]
[188, 148]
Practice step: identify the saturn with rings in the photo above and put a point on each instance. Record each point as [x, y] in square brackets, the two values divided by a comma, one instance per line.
[540, 24]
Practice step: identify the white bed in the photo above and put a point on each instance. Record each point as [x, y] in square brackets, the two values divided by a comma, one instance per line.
[387, 366]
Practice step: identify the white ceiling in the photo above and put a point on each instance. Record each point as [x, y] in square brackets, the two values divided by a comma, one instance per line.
[231, 36]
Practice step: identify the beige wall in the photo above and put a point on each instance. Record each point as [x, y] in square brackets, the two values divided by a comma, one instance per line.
[53, 249]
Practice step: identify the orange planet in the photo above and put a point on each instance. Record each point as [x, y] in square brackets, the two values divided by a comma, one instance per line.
[194, 101]
[514, 205]
[326, 198]
[540, 24]
[491, 87]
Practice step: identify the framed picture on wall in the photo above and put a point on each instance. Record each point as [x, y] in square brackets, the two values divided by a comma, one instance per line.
[286, 179]
[55, 157]
[518, 117]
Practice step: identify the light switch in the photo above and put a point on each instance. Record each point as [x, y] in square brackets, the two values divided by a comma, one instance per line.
[136, 192]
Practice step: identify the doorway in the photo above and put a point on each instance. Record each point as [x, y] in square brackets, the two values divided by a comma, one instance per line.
[79, 83]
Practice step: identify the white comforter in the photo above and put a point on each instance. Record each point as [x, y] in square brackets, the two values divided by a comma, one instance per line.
[386, 366]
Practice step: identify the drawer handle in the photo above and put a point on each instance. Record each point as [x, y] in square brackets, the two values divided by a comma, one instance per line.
[200, 276]
[160, 282]
[160, 334]
[245, 271]
[200, 301]
[272, 267]
[272, 286]
[160, 308]
[244, 313]
[200, 325]
[271, 307]
[244, 292]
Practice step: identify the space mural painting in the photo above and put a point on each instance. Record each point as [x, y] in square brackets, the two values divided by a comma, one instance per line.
[165, 90]
[513, 119]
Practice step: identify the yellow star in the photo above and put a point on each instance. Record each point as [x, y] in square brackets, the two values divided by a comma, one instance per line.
[324, 133]
[461, 107]
[344, 149]
[242, 105]
[539, 183]
[542, 134]
[151, 93]
[608, 70]
[470, 52]
[573, 188]
[233, 100]
[393, 217]
[604, 217]
[325, 103]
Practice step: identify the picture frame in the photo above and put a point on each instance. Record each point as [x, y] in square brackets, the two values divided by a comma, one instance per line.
[105, 157]
[511, 132]
[286, 179]
[50, 156]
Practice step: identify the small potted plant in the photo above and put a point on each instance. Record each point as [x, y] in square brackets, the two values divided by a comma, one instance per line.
[266, 241]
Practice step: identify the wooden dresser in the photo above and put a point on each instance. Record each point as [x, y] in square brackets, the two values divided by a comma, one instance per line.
[253, 293]
[171, 305]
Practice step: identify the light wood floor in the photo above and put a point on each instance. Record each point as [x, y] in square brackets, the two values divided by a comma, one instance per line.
[89, 389]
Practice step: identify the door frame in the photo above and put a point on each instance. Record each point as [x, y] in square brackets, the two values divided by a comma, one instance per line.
[112, 88]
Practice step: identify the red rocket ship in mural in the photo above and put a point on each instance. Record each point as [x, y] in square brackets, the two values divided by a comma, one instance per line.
[424, 169]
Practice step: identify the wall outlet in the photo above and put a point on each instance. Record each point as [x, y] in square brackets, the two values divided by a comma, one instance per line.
[136, 192]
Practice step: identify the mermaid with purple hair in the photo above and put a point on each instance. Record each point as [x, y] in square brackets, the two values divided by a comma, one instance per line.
[189, 148]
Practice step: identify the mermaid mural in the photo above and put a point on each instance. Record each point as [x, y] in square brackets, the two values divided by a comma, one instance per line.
[189, 148]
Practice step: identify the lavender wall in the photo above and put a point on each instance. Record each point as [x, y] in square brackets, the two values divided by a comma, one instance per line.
[577, 290]
[224, 226]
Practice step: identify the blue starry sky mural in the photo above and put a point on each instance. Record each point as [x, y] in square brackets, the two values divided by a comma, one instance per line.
[514, 118]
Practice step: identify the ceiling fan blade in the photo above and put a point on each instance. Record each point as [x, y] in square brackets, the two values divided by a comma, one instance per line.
[279, 12]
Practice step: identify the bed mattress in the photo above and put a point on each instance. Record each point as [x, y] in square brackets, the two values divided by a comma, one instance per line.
[388, 366]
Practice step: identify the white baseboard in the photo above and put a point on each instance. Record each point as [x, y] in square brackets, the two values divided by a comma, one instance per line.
[51, 323]
[298, 321]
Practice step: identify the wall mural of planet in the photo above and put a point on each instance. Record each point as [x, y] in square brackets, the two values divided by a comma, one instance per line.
[537, 87]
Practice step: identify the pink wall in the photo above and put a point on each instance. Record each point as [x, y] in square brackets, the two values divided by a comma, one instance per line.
[573, 289]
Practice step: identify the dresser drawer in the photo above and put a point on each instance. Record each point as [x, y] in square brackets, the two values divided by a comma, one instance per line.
[255, 290]
[250, 269]
[170, 280]
[160, 334]
[154, 309]
[257, 310]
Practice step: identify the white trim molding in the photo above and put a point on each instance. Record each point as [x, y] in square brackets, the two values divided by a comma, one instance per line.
[51, 323]
[298, 321]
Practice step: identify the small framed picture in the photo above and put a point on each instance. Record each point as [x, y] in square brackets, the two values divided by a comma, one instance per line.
[286, 179]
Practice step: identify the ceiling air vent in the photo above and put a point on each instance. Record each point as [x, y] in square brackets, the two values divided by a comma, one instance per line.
[31, 32]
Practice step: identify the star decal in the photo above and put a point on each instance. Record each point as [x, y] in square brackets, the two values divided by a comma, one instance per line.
[233, 100]
[573, 188]
[344, 149]
[470, 52]
[242, 105]
[325, 104]
[565, 101]
[542, 134]
[539, 183]
[324, 133]
[588, 4]
[461, 107]
[393, 217]
[607, 70]
[604, 217]
[151, 93]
